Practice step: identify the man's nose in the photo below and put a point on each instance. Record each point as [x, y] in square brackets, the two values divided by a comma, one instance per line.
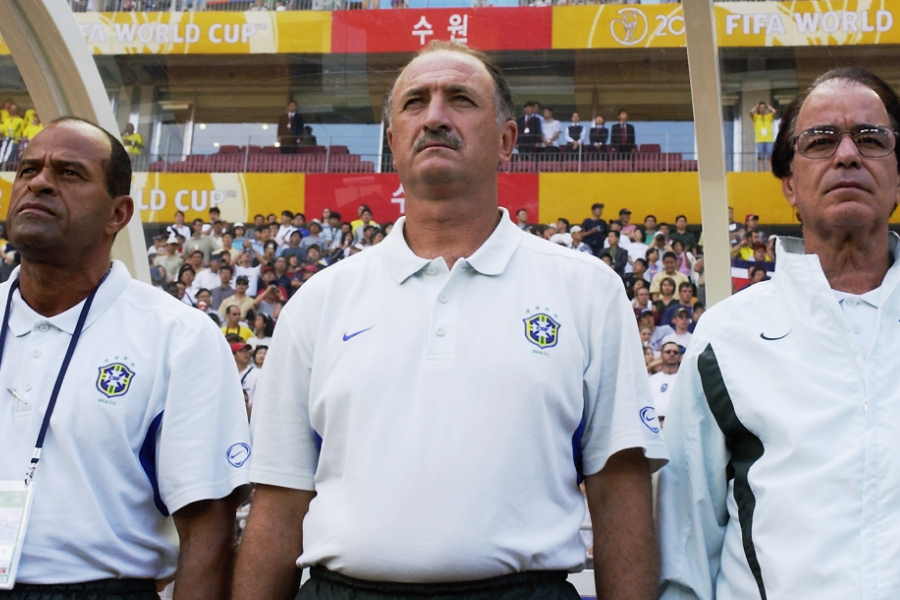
[847, 153]
[42, 182]
[437, 114]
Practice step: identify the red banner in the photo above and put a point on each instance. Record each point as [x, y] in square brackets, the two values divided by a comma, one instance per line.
[387, 199]
[363, 31]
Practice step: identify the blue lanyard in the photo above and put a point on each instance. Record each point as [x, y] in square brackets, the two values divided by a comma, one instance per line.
[45, 424]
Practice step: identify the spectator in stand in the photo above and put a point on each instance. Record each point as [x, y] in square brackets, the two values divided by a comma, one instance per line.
[11, 129]
[170, 259]
[228, 254]
[223, 289]
[594, 229]
[664, 297]
[32, 127]
[618, 256]
[641, 302]
[562, 225]
[259, 355]
[204, 297]
[293, 247]
[751, 223]
[314, 238]
[576, 133]
[313, 262]
[598, 136]
[578, 240]
[263, 327]
[622, 134]
[250, 272]
[198, 241]
[681, 322]
[638, 274]
[670, 270]
[234, 324]
[186, 277]
[757, 274]
[637, 248]
[365, 220]
[290, 126]
[683, 258]
[286, 227]
[763, 117]
[239, 298]
[247, 372]
[625, 220]
[660, 243]
[650, 229]
[662, 381]
[195, 260]
[280, 268]
[681, 233]
[307, 138]
[654, 263]
[331, 230]
[686, 300]
[209, 277]
[551, 129]
[761, 253]
[267, 298]
[522, 219]
[530, 131]
[132, 140]
[270, 251]
[744, 250]
[358, 220]
[238, 231]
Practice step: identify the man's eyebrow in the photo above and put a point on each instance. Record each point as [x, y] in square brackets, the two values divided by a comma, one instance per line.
[60, 163]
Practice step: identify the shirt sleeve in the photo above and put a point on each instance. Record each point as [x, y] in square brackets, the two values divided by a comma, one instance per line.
[204, 438]
[286, 450]
[692, 489]
[619, 410]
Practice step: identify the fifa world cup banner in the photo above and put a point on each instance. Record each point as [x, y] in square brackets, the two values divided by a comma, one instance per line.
[738, 24]
[212, 32]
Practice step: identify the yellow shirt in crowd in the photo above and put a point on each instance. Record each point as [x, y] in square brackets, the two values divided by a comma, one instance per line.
[12, 127]
[134, 143]
[763, 127]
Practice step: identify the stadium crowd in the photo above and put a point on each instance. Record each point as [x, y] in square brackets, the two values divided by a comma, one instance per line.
[241, 275]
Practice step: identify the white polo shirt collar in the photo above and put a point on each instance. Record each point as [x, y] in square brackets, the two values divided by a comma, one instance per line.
[491, 258]
[24, 318]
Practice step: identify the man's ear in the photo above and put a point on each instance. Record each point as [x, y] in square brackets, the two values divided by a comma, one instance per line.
[123, 209]
[509, 131]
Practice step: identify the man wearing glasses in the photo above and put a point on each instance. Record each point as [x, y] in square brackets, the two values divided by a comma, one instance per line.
[784, 425]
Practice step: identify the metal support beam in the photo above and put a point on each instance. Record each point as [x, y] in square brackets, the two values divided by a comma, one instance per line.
[62, 79]
[703, 64]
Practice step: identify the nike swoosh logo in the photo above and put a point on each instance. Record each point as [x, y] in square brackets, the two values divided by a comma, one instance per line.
[772, 339]
[349, 336]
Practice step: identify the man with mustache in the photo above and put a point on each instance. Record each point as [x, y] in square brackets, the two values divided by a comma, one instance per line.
[784, 423]
[135, 435]
[444, 425]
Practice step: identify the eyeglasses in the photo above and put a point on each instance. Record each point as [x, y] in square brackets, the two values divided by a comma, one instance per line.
[871, 141]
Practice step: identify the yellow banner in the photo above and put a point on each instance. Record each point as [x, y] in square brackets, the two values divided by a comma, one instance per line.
[251, 32]
[738, 24]
[238, 196]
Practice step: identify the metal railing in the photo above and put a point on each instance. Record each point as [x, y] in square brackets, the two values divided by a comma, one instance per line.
[278, 5]
[260, 159]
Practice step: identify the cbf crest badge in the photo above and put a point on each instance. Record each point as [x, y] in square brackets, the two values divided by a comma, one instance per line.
[542, 330]
[114, 379]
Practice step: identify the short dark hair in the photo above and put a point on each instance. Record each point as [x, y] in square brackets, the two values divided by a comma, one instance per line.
[614, 232]
[226, 268]
[783, 151]
[643, 261]
[287, 213]
[686, 284]
[596, 205]
[201, 290]
[118, 166]
[669, 254]
[335, 215]
[680, 217]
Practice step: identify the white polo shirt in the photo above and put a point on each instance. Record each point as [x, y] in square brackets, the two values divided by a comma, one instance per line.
[150, 418]
[440, 414]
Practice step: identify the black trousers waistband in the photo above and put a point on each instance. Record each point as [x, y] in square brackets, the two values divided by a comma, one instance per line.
[455, 587]
[100, 586]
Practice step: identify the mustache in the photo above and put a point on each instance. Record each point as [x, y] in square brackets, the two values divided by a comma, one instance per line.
[440, 137]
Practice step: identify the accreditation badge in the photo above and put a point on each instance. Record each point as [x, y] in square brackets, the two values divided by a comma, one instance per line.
[15, 509]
